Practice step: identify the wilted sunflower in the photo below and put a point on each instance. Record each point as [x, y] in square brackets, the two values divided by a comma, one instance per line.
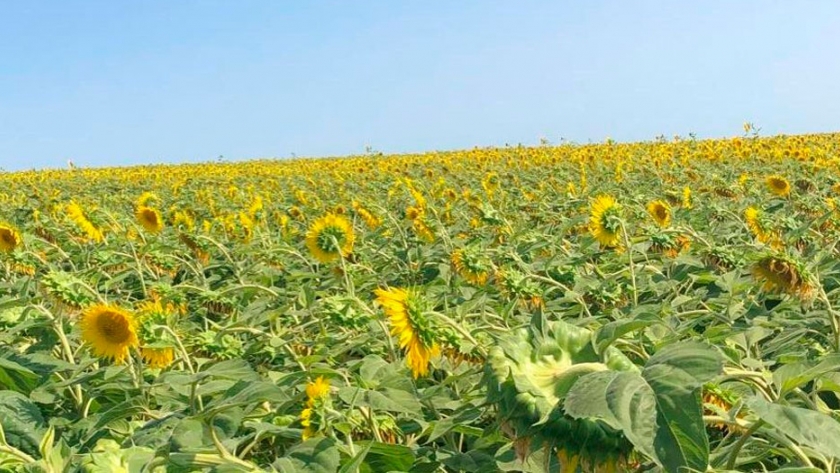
[149, 218]
[778, 185]
[471, 264]
[661, 212]
[404, 309]
[110, 331]
[9, 238]
[330, 236]
[782, 274]
[604, 221]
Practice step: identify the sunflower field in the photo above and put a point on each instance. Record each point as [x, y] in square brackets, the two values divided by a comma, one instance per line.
[664, 306]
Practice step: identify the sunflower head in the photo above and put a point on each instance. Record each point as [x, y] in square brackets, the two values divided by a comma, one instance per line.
[471, 264]
[686, 198]
[661, 212]
[406, 311]
[9, 238]
[778, 185]
[318, 389]
[149, 218]
[330, 236]
[783, 274]
[605, 221]
[158, 345]
[109, 330]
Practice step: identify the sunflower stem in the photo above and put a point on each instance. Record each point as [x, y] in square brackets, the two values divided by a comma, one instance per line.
[630, 265]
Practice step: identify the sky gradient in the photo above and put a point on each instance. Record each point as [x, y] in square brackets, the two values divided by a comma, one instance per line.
[116, 83]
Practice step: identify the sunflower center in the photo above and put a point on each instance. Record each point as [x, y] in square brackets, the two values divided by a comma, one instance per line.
[150, 217]
[113, 327]
[7, 237]
[330, 239]
[661, 213]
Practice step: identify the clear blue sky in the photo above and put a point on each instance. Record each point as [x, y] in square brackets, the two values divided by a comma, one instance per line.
[109, 82]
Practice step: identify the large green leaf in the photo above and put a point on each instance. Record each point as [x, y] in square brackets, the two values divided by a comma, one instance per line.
[22, 421]
[621, 399]
[806, 427]
[316, 455]
[676, 374]
[390, 400]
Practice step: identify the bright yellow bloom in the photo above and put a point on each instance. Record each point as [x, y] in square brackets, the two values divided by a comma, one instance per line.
[686, 198]
[661, 212]
[409, 324]
[77, 215]
[110, 331]
[149, 218]
[330, 236]
[157, 357]
[318, 389]
[9, 238]
[778, 185]
[604, 223]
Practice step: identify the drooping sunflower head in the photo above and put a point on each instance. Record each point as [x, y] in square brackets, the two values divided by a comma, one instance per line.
[783, 274]
[778, 185]
[413, 213]
[471, 264]
[661, 212]
[9, 238]
[158, 345]
[330, 236]
[149, 218]
[416, 332]
[605, 220]
[109, 330]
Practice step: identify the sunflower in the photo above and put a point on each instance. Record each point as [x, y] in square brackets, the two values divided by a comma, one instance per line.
[423, 231]
[413, 213]
[149, 218]
[604, 221]
[110, 330]
[157, 350]
[782, 274]
[404, 309]
[157, 357]
[316, 392]
[471, 265]
[76, 214]
[661, 212]
[778, 185]
[686, 197]
[330, 236]
[318, 389]
[9, 238]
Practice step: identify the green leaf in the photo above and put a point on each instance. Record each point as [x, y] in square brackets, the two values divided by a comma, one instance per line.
[617, 329]
[806, 427]
[793, 375]
[16, 377]
[22, 422]
[623, 400]
[316, 455]
[676, 373]
[353, 465]
[385, 457]
[390, 400]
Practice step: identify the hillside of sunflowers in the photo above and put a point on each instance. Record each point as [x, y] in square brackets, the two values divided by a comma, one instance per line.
[663, 306]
